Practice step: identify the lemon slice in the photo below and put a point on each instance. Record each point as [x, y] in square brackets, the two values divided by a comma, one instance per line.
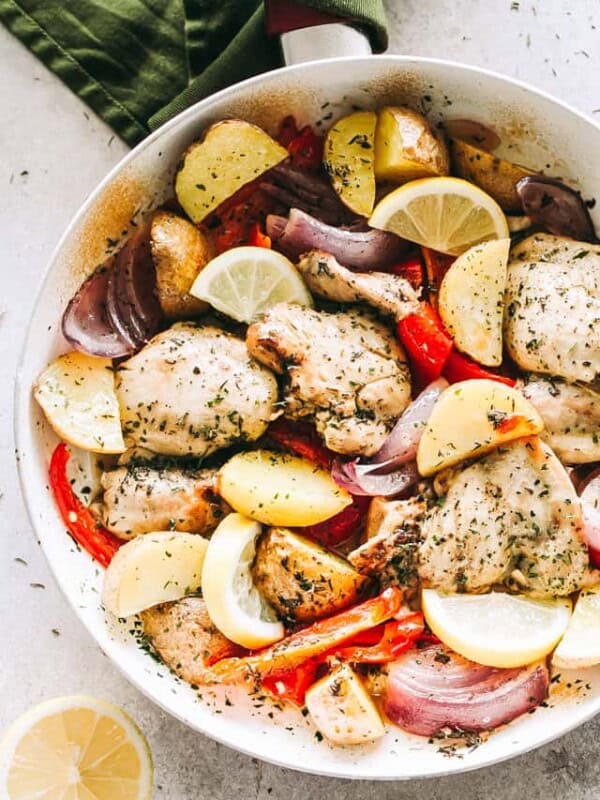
[77, 395]
[580, 646]
[245, 281]
[75, 748]
[446, 214]
[232, 600]
[498, 630]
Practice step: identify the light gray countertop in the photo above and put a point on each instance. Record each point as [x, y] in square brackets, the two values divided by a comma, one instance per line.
[53, 151]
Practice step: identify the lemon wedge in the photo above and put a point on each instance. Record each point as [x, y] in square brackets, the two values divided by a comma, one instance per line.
[77, 394]
[78, 748]
[245, 281]
[498, 630]
[446, 214]
[580, 646]
[232, 600]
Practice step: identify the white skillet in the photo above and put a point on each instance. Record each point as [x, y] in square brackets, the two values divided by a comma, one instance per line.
[541, 132]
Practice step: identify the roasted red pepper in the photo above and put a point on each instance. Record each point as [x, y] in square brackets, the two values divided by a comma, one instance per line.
[411, 269]
[306, 149]
[312, 642]
[302, 439]
[288, 130]
[459, 367]
[257, 238]
[292, 684]
[398, 636]
[93, 538]
[426, 341]
[337, 529]
[436, 266]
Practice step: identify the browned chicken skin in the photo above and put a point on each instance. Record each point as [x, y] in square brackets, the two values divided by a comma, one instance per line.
[140, 499]
[346, 371]
[185, 638]
[389, 293]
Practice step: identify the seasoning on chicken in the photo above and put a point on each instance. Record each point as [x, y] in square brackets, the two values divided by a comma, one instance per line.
[185, 638]
[389, 293]
[512, 517]
[346, 371]
[552, 311]
[571, 414]
[193, 390]
[391, 551]
[139, 499]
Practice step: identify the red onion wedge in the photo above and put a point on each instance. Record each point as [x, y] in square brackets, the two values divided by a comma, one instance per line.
[590, 506]
[116, 311]
[434, 688]
[403, 441]
[370, 480]
[555, 207]
[85, 322]
[363, 250]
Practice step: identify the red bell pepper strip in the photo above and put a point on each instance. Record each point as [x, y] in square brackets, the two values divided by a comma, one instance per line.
[459, 367]
[426, 341]
[436, 266]
[292, 684]
[287, 132]
[257, 238]
[306, 149]
[398, 636]
[302, 439]
[93, 538]
[311, 642]
[411, 269]
[337, 529]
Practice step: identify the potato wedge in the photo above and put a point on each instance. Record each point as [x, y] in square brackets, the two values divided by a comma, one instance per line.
[77, 395]
[406, 148]
[494, 175]
[471, 418]
[302, 580]
[342, 709]
[154, 568]
[278, 489]
[231, 154]
[471, 300]
[179, 251]
[348, 157]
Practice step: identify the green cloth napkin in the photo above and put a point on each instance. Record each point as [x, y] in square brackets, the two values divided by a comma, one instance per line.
[137, 63]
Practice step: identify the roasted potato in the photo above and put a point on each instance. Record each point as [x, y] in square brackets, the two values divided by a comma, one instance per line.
[406, 148]
[279, 489]
[494, 175]
[348, 157]
[179, 251]
[342, 709]
[231, 154]
[302, 580]
[77, 395]
[471, 418]
[471, 300]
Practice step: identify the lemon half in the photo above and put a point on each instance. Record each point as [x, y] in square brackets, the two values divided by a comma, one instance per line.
[80, 748]
[580, 646]
[245, 281]
[498, 630]
[446, 214]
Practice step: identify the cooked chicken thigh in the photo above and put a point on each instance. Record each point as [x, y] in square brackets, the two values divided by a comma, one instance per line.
[326, 278]
[193, 390]
[345, 370]
[512, 517]
[571, 414]
[552, 312]
[140, 499]
[184, 636]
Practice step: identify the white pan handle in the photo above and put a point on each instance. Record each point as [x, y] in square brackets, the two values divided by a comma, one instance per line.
[323, 41]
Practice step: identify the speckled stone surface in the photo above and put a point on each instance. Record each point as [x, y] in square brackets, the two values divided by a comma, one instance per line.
[52, 153]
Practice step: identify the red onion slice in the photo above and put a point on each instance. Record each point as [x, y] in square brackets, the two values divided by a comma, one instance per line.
[555, 207]
[85, 322]
[403, 441]
[590, 506]
[362, 250]
[434, 688]
[368, 480]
